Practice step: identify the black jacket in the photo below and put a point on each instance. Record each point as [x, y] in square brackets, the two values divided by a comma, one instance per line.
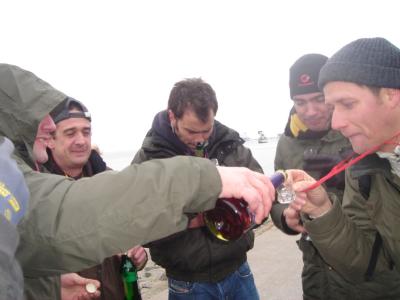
[194, 254]
[108, 273]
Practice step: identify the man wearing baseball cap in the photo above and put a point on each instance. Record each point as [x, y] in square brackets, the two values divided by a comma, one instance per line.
[70, 154]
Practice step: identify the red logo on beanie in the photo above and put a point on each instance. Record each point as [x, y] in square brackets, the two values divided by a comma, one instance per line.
[305, 80]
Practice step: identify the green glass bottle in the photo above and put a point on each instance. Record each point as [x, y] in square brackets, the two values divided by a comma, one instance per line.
[130, 279]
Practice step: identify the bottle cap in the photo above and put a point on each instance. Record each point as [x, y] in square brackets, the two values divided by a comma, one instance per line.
[90, 288]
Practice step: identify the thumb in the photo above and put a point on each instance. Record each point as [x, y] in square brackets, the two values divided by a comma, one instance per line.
[301, 185]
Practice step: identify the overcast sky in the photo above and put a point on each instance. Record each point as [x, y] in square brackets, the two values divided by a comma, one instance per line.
[121, 58]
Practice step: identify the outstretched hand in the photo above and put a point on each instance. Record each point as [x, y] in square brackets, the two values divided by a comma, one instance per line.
[255, 188]
[73, 287]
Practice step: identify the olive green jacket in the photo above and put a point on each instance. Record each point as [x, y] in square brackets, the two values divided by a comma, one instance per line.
[346, 234]
[72, 225]
[320, 278]
[289, 155]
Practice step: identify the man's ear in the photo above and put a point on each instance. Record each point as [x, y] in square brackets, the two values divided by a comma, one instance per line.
[393, 97]
[171, 116]
[51, 144]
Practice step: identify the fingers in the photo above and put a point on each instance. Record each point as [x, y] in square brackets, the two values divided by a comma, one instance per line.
[74, 287]
[139, 256]
[88, 296]
[301, 185]
[255, 202]
[266, 191]
[293, 220]
[259, 194]
[255, 188]
[131, 252]
[297, 175]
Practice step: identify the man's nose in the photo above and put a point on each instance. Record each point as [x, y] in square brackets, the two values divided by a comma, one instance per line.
[337, 121]
[80, 138]
[311, 109]
[201, 138]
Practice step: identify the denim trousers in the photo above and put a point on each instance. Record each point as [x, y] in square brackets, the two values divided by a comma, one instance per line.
[237, 286]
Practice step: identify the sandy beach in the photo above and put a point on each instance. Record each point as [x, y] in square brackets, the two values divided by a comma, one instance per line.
[275, 261]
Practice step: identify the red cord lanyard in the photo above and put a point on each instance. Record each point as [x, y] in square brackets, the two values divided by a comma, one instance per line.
[344, 164]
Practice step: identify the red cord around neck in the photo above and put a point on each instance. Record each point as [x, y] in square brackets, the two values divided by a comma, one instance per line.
[344, 164]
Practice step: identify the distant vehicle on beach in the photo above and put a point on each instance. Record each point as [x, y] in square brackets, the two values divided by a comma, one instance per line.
[261, 137]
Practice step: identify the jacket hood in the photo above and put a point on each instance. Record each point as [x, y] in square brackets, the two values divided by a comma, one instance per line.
[162, 127]
[161, 136]
[295, 128]
[25, 100]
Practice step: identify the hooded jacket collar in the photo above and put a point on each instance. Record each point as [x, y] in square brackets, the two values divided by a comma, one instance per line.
[370, 165]
[25, 100]
[93, 166]
[161, 137]
[162, 127]
[295, 128]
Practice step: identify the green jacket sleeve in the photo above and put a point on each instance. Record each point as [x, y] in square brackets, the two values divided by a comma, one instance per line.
[72, 225]
[42, 288]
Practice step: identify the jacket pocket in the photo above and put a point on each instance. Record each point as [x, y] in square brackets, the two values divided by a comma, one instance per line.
[180, 287]
[244, 270]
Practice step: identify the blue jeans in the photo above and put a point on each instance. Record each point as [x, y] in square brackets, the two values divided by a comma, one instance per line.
[237, 286]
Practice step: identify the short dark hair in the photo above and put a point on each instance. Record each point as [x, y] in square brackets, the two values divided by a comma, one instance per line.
[193, 93]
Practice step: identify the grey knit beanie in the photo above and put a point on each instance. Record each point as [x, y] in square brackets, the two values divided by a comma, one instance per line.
[368, 61]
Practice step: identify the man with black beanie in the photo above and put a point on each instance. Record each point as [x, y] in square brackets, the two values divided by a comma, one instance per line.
[310, 144]
[360, 238]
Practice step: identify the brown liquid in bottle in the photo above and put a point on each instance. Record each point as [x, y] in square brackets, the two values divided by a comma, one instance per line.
[231, 217]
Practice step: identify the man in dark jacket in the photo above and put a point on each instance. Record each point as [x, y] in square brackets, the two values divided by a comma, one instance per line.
[198, 264]
[70, 154]
[360, 238]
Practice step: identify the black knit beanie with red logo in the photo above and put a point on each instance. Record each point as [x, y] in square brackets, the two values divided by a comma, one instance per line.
[304, 74]
[368, 61]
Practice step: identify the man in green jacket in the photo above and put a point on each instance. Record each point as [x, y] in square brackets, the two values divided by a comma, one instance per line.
[360, 238]
[72, 225]
[310, 144]
[196, 263]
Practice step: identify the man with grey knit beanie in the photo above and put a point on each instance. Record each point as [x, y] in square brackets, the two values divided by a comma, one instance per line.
[360, 238]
